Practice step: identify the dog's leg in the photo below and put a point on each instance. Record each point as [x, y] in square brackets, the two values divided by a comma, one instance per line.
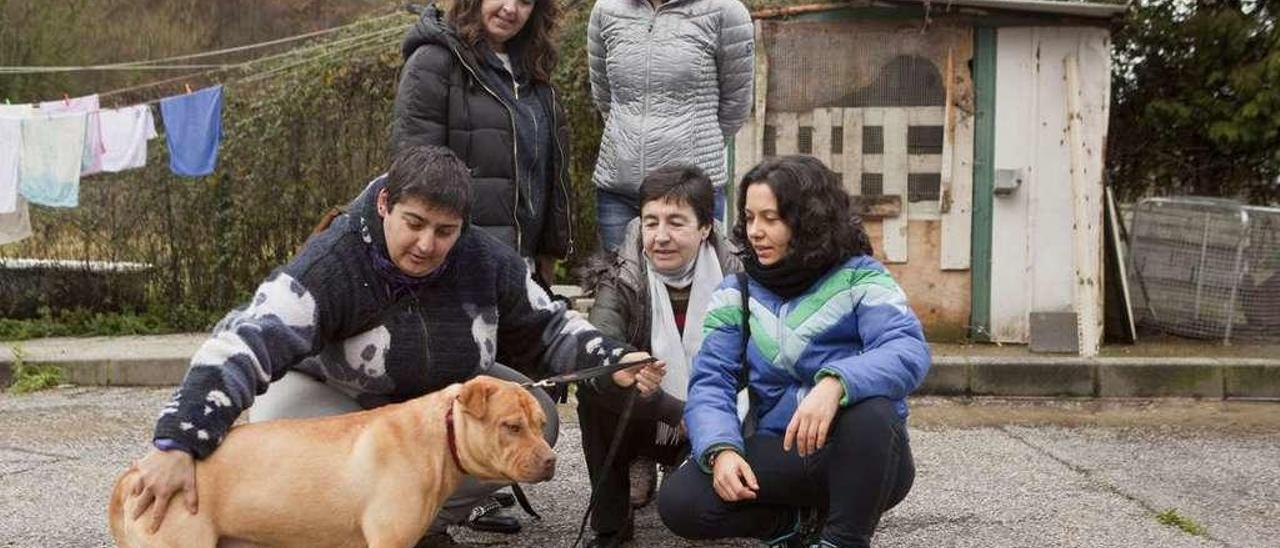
[386, 525]
[393, 533]
[391, 539]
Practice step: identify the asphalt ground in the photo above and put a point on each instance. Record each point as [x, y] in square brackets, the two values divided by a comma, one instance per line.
[990, 472]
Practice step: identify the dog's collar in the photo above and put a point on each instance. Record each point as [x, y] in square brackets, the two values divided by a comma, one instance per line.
[453, 438]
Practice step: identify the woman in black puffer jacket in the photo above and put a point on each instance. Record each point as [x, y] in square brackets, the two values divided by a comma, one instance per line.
[477, 81]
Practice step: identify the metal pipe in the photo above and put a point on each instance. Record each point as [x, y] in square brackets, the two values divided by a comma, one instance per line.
[1239, 273]
[1204, 251]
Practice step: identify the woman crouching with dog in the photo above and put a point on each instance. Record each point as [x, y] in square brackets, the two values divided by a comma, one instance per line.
[828, 350]
[397, 298]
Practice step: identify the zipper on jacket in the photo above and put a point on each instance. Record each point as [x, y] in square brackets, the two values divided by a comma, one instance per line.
[782, 332]
[648, 64]
[568, 198]
[515, 156]
[426, 340]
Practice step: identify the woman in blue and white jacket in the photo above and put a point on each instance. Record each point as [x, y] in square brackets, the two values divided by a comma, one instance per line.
[833, 351]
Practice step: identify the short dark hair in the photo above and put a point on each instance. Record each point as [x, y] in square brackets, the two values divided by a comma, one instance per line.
[824, 228]
[432, 174]
[682, 183]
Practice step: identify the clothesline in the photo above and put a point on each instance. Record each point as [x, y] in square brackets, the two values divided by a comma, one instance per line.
[138, 65]
[371, 36]
[355, 49]
[55, 150]
[106, 68]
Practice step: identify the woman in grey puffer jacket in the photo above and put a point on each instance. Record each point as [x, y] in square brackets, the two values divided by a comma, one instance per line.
[673, 81]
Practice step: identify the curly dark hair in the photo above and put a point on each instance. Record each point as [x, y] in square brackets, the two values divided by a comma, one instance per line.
[824, 228]
[536, 42]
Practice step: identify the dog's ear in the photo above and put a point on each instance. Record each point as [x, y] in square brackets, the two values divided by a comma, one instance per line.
[475, 396]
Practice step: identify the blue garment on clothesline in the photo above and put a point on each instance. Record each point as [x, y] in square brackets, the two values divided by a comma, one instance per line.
[193, 129]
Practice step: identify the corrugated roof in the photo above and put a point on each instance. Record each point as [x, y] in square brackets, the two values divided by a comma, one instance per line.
[1092, 10]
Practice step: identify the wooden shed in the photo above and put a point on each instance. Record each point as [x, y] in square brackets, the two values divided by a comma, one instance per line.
[972, 134]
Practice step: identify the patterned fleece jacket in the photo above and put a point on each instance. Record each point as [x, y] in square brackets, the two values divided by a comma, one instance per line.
[330, 313]
[853, 324]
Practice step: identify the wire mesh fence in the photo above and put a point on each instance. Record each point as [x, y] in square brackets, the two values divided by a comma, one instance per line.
[1206, 268]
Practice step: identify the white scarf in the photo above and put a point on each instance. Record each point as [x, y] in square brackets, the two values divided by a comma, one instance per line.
[665, 340]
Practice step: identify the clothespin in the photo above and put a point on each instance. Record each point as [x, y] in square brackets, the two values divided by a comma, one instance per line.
[66, 99]
[188, 87]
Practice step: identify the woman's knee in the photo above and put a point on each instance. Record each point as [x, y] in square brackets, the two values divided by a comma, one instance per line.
[296, 396]
[683, 502]
[871, 420]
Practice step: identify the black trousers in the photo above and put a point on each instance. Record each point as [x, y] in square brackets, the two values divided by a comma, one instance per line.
[864, 469]
[612, 513]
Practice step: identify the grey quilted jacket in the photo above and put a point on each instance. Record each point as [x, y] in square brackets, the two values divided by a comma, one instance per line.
[672, 83]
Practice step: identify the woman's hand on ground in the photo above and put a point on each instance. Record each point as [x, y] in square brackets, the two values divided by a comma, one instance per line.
[646, 378]
[161, 474]
[733, 478]
[809, 425]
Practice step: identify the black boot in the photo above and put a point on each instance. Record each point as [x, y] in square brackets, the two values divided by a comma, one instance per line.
[488, 517]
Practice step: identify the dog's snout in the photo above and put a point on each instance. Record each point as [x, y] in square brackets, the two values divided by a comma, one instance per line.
[549, 467]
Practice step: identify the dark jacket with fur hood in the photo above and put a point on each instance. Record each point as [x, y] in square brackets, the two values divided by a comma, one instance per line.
[443, 99]
[622, 311]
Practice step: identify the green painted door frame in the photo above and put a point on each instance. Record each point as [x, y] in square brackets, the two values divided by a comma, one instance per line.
[984, 90]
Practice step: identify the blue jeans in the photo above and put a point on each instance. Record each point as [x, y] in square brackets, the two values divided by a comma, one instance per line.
[614, 211]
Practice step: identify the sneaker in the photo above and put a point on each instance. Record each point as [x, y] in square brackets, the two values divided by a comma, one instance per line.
[606, 541]
[804, 533]
[614, 540]
[644, 481]
[488, 517]
[789, 540]
[507, 500]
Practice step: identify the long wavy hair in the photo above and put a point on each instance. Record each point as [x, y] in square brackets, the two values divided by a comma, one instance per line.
[824, 227]
[536, 42]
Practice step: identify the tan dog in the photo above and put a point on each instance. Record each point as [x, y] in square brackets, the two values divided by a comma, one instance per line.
[374, 478]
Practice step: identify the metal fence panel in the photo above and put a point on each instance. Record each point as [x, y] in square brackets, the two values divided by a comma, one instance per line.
[1206, 268]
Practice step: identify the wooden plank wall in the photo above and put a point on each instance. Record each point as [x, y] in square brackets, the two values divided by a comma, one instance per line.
[927, 244]
[914, 241]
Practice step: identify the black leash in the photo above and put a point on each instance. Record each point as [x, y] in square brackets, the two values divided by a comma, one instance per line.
[582, 375]
[523, 500]
[608, 463]
[588, 373]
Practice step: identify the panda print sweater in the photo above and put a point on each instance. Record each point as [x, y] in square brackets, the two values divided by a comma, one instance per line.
[332, 314]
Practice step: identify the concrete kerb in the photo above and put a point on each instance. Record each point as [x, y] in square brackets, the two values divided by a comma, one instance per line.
[1256, 378]
[1212, 378]
[163, 360]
